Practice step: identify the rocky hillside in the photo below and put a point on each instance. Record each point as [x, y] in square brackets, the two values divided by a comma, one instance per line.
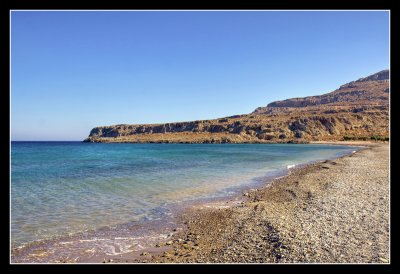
[365, 91]
[357, 110]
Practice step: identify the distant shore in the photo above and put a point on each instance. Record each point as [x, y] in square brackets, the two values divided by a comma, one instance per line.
[335, 211]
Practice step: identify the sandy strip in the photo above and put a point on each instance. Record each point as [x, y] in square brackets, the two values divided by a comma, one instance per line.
[331, 212]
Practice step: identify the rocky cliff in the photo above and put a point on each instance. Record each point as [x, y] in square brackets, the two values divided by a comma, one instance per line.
[357, 110]
[373, 89]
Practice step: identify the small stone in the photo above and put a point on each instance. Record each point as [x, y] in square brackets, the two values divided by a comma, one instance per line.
[169, 243]
[158, 245]
[383, 260]
[145, 254]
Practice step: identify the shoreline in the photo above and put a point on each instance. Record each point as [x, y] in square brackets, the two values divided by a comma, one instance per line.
[164, 249]
[39, 251]
[301, 217]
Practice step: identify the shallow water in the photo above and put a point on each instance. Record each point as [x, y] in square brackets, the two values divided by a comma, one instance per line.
[62, 188]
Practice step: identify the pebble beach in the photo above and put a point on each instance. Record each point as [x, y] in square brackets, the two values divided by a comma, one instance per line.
[334, 211]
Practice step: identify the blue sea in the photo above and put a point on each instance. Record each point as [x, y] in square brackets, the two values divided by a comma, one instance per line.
[62, 188]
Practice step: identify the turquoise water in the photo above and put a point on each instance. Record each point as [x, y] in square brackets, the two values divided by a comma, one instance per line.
[60, 188]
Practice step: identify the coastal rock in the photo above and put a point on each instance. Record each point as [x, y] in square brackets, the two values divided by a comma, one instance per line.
[357, 110]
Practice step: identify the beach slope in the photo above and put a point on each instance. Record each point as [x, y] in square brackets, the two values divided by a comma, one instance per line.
[336, 211]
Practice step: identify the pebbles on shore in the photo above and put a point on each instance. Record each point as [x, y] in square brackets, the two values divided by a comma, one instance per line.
[330, 212]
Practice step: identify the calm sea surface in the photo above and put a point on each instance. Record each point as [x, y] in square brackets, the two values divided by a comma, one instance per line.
[60, 188]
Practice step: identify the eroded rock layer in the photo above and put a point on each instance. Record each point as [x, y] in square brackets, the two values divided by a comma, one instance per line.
[357, 110]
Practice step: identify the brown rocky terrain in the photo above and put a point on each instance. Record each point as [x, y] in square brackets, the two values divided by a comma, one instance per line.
[358, 110]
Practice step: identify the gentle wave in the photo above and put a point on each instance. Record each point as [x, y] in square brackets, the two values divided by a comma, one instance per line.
[65, 188]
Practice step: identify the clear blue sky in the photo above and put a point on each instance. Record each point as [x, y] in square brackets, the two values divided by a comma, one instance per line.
[72, 71]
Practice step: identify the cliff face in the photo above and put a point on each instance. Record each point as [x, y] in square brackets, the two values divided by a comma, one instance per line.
[373, 90]
[359, 109]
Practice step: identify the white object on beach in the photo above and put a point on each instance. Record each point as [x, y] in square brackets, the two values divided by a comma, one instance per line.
[290, 166]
